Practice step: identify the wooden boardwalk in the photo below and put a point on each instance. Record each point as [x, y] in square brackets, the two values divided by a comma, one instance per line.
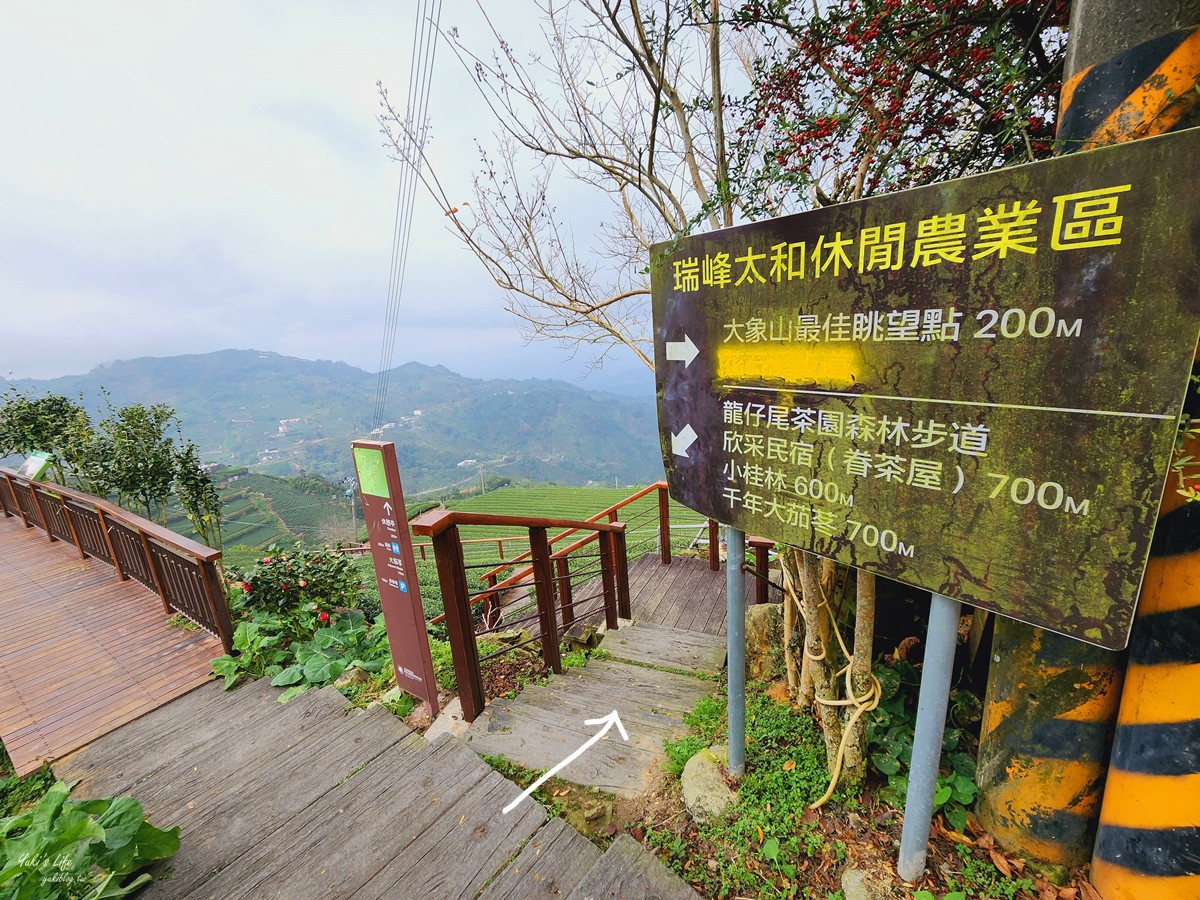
[685, 594]
[545, 722]
[306, 801]
[83, 653]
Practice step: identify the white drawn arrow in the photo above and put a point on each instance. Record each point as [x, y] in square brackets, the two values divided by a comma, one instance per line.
[680, 442]
[608, 722]
[683, 350]
[387, 508]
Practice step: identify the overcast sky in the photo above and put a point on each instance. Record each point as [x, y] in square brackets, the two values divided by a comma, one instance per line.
[187, 177]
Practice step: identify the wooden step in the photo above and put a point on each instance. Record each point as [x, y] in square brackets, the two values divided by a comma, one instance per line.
[672, 648]
[550, 865]
[627, 870]
[545, 723]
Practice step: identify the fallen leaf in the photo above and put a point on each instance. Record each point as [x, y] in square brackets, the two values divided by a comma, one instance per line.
[1089, 892]
[1048, 893]
[986, 842]
[1067, 893]
[562, 793]
[789, 765]
[462, 818]
[1000, 863]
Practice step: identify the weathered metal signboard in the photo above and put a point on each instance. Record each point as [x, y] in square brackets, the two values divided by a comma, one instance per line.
[395, 568]
[971, 387]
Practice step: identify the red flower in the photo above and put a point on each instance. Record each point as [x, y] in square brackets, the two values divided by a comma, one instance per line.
[303, 583]
[245, 587]
[283, 587]
[324, 616]
[266, 560]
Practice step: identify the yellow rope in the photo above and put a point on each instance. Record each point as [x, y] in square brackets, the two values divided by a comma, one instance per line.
[862, 705]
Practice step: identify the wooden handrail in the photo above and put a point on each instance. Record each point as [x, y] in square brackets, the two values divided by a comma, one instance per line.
[443, 527]
[192, 590]
[435, 521]
[151, 529]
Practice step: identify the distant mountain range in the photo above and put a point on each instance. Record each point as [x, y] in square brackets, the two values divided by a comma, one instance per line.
[279, 414]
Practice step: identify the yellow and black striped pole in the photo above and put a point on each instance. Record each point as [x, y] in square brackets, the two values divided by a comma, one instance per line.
[1051, 702]
[1148, 841]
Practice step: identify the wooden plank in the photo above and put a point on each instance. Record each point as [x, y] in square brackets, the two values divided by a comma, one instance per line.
[381, 810]
[676, 648]
[475, 833]
[625, 871]
[224, 829]
[550, 865]
[114, 657]
[683, 584]
[540, 743]
[117, 761]
[270, 734]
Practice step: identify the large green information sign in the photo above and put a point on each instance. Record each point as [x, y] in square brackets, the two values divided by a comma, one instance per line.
[972, 387]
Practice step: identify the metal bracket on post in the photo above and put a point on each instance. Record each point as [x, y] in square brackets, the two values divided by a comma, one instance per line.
[735, 607]
[940, 642]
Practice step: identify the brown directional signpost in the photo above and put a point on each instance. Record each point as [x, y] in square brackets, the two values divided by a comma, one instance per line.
[395, 568]
[972, 387]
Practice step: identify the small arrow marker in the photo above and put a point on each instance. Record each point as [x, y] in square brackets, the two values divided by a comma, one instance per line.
[684, 350]
[608, 722]
[387, 508]
[680, 442]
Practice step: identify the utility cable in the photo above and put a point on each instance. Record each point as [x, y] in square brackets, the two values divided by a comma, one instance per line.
[416, 131]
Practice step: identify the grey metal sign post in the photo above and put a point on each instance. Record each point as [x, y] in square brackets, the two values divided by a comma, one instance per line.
[940, 641]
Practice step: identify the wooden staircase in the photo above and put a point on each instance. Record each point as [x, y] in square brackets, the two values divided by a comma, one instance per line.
[545, 723]
[307, 800]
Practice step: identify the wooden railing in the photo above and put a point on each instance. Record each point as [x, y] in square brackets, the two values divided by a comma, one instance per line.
[182, 572]
[551, 582]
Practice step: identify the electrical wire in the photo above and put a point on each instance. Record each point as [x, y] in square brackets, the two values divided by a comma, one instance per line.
[429, 15]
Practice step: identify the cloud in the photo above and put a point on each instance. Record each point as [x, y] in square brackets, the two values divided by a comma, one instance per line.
[181, 178]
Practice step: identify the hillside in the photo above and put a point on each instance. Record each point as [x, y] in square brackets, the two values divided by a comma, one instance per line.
[281, 415]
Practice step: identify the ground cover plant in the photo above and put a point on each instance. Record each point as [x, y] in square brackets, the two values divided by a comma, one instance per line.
[87, 849]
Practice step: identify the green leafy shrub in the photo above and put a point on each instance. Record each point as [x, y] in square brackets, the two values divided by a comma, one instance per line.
[66, 849]
[286, 581]
[890, 739]
[346, 641]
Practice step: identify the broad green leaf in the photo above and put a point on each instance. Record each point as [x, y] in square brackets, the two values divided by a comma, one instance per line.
[941, 795]
[888, 765]
[121, 822]
[322, 670]
[293, 692]
[956, 816]
[770, 848]
[290, 675]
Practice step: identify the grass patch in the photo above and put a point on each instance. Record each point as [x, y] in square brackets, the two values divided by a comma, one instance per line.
[18, 794]
[758, 847]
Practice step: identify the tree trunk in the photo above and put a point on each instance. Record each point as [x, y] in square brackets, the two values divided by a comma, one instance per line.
[817, 654]
[791, 605]
[855, 761]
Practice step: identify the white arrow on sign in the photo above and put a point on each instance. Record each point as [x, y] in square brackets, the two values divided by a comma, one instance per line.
[608, 722]
[683, 350]
[680, 442]
[387, 508]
